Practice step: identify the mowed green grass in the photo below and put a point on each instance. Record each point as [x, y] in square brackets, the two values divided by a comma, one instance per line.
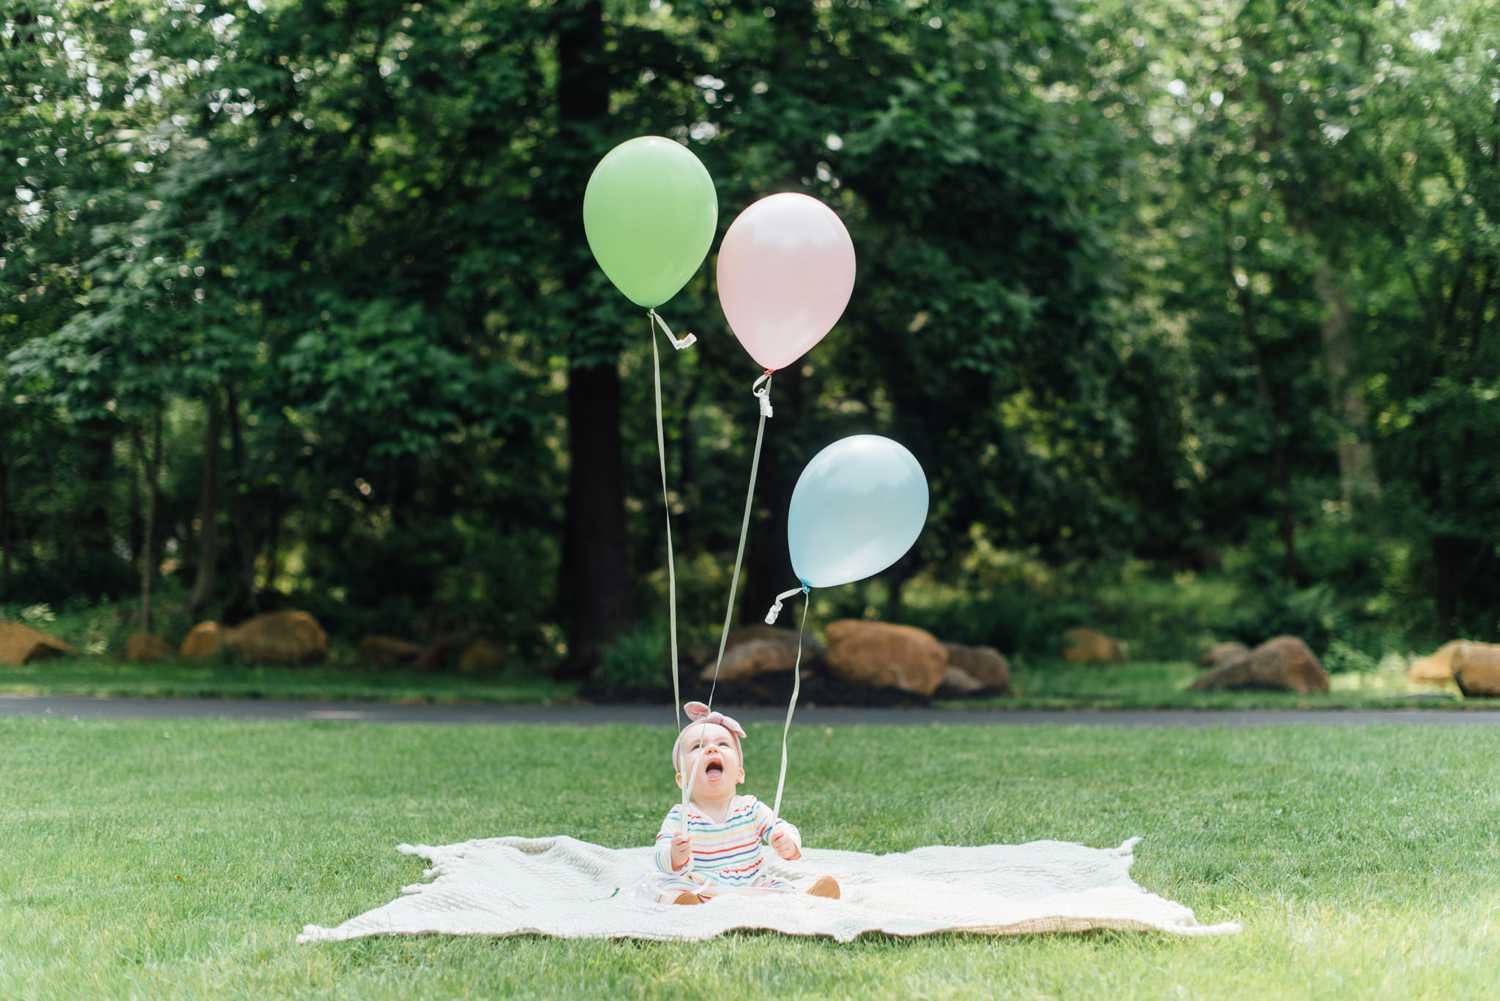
[101, 676]
[180, 859]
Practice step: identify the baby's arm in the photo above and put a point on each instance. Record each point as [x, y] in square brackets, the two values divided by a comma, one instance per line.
[781, 835]
[673, 848]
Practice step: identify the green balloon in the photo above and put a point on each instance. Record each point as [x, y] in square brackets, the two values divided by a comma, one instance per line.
[649, 212]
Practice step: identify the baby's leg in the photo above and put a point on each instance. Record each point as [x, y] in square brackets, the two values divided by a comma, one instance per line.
[679, 890]
[823, 886]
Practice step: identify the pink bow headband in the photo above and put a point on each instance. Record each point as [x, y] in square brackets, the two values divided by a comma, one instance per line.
[699, 716]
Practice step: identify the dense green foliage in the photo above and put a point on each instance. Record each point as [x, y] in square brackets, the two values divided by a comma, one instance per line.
[179, 859]
[295, 307]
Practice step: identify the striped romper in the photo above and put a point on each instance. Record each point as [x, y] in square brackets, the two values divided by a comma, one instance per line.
[725, 855]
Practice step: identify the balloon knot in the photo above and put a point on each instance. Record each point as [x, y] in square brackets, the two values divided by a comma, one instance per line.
[761, 390]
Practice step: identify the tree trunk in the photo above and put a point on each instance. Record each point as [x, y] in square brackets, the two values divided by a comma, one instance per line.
[595, 586]
[1358, 479]
[1288, 520]
[596, 583]
[4, 526]
[208, 510]
[150, 459]
[1280, 467]
[240, 505]
[91, 543]
[896, 577]
[134, 538]
[1464, 572]
[685, 533]
[273, 545]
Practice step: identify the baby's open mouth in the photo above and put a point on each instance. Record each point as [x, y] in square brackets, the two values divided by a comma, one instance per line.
[715, 768]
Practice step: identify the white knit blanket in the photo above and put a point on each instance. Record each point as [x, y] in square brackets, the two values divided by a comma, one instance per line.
[571, 889]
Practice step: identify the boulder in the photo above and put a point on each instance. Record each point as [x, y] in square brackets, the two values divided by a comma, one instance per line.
[438, 654]
[1089, 646]
[957, 681]
[1222, 654]
[754, 650]
[24, 645]
[388, 651]
[203, 642]
[886, 655]
[482, 657]
[1281, 664]
[1436, 667]
[984, 664]
[278, 638]
[145, 648]
[1476, 668]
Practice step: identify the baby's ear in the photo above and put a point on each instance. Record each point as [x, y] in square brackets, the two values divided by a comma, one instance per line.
[741, 779]
[679, 779]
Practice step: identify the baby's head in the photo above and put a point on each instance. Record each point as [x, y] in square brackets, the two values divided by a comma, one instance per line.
[707, 753]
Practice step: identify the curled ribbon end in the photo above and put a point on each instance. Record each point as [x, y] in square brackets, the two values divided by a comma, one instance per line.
[678, 343]
[783, 596]
[761, 390]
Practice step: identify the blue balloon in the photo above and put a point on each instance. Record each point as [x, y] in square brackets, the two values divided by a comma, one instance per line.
[857, 508]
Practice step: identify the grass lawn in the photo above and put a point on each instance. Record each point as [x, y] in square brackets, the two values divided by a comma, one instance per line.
[179, 860]
[181, 679]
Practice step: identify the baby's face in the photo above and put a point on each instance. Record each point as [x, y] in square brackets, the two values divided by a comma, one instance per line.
[710, 756]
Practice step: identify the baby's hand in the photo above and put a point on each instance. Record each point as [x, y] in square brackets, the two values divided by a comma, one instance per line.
[682, 850]
[785, 846]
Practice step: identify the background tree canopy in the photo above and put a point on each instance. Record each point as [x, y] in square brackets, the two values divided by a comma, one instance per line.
[295, 306]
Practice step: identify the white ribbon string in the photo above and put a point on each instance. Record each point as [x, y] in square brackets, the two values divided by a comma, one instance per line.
[690, 759]
[791, 707]
[761, 390]
[661, 456]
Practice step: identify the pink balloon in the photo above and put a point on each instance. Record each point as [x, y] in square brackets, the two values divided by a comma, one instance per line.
[786, 270]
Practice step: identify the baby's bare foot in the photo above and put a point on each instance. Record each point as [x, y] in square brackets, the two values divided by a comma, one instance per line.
[689, 897]
[825, 886]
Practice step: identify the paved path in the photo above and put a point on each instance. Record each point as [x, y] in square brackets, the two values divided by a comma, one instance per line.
[86, 708]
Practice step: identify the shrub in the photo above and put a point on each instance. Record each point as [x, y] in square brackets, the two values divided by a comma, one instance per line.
[1341, 657]
[1011, 621]
[638, 661]
[1164, 617]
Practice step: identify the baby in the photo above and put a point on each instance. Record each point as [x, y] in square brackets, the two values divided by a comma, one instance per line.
[722, 849]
